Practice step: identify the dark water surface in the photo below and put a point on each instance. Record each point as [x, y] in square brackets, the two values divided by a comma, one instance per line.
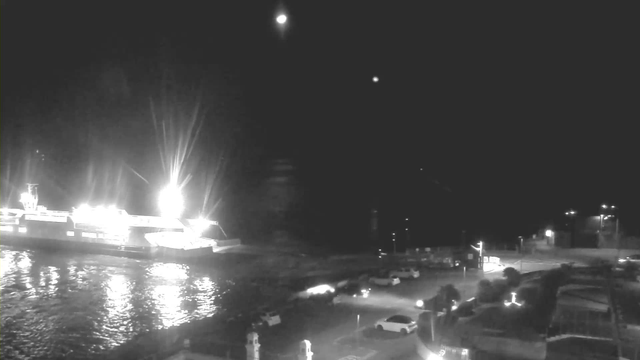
[76, 306]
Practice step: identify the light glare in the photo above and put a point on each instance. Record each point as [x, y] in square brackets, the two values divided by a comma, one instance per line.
[171, 203]
[281, 19]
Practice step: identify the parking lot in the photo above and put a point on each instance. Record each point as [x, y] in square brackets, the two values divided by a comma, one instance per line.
[346, 330]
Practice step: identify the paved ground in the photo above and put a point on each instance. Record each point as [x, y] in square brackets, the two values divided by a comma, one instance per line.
[335, 331]
[345, 331]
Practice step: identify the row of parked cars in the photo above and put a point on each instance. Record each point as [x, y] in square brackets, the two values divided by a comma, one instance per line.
[261, 318]
[265, 317]
[393, 277]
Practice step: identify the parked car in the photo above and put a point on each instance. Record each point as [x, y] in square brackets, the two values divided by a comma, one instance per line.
[444, 263]
[249, 320]
[269, 317]
[436, 302]
[390, 280]
[406, 273]
[397, 323]
[633, 259]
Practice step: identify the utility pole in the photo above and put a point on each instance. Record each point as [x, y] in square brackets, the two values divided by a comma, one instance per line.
[617, 239]
[521, 251]
[374, 228]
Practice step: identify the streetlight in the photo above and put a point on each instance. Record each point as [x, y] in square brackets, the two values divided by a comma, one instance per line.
[282, 23]
[521, 251]
[408, 235]
[393, 238]
[281, 19]
[572, 216]
[550, 236]
[606, 212]
[479, 250]
[375, 79]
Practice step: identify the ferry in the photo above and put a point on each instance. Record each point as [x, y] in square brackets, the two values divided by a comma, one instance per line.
[111, 231]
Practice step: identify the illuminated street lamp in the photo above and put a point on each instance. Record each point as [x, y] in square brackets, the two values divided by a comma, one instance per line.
[572, 218]
[170, 202]
[550, 237]
[479, 250]
[281, 19]
[375, 80]
[393, 238]
[407, 231]
[605, 213]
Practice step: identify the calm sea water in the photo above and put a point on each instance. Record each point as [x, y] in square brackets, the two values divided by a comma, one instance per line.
[76, 306]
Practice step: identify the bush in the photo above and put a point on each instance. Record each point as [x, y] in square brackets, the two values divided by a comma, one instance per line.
[490, 292]
[500, 289]
[512, 276]
[484, 293]
[449, 293]
[528, 294]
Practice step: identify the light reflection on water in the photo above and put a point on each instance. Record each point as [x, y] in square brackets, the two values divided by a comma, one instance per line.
[76, 306]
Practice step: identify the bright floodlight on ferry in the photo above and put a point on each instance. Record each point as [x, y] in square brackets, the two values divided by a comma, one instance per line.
[170, 202]
[26, 197]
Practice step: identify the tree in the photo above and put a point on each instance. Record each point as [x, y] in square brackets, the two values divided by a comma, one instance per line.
[528, 294]
[512, 276]
[449, 294]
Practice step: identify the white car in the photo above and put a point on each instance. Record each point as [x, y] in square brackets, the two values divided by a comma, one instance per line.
[269, 318]
[397, 323]
[406, 273]
[385, 280]
[630, 259]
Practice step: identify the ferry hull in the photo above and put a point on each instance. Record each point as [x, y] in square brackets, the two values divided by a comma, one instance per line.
[140, 237]
[158, 253]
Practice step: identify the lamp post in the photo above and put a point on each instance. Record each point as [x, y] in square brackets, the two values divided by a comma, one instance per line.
[521, 251]
[572, 223]
[393, 238]
[614, 213]
[550, 237]
[407, 231]
[281, 22]
[479, 250]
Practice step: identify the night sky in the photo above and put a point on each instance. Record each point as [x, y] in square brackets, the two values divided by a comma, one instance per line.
[492, 120]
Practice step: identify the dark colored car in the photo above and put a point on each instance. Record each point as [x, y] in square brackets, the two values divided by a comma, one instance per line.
[355, 290]
[436, 302]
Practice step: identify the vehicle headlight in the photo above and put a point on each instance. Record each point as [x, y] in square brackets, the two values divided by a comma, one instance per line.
[365, 295]
[419, 303]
